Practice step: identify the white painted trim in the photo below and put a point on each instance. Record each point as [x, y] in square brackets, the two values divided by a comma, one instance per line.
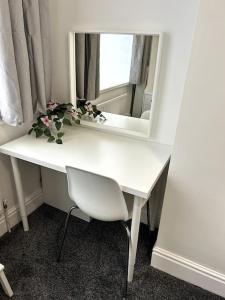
[113, 88]
[72, 69]
[156, 83]
[188, 270]
[32, 202]
[81, 29]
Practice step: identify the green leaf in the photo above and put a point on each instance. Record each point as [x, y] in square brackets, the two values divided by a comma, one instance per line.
[58, 125]
[40, 123]
[82, 109]
[60, 134]
[67, 122]
[39, 132]
[30, 131]
[58, 141]
[94, 107]
[47, 132]
[77, 122]
[34, 124]
[61, 108]
[51, 139]
[60, 114]
[39, 118]
[43, 126]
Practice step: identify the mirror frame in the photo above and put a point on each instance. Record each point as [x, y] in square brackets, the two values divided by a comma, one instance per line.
[72, 80]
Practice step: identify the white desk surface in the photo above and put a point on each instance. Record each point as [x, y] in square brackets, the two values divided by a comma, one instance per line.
[134, 164]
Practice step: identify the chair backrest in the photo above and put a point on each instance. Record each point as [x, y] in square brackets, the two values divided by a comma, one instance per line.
[98, 196]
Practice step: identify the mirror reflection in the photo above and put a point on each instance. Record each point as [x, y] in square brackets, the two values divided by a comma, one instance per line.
[116, 72]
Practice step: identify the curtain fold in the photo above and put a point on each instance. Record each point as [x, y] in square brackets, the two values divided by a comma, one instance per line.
[24, 59]
[87, 48]
[138, 98]
[140, 60]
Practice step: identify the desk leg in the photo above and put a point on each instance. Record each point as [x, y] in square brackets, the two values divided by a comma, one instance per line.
[138, 204]
[20, 193]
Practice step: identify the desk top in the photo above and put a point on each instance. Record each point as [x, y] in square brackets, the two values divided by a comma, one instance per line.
[134, 164]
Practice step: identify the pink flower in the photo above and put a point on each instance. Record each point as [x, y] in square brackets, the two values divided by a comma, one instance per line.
[45, 120]
[51, 105]
[50, 102]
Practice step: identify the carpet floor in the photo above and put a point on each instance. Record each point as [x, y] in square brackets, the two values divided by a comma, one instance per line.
[92, 265]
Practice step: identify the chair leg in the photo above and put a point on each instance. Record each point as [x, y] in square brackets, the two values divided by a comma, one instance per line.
[127, 260]
[5, 284]
[65, 231]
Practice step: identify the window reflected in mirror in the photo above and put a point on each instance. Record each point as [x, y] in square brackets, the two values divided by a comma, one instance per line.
[115, 54]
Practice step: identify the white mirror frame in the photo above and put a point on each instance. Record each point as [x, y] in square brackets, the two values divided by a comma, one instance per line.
[72, 77]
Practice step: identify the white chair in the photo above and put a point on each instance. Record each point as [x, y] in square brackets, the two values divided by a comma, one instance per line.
[5, 284]
[100, 198]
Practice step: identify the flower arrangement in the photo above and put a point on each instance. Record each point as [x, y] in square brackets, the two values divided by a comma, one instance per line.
[57, 115]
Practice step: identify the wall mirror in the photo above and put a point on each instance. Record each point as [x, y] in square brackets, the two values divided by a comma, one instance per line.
[117, 72]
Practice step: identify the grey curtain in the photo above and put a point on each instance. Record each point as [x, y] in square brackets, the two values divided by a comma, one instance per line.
[139, 70]
[138, 98]
[87, 48]
[140, 59]
[24, 59]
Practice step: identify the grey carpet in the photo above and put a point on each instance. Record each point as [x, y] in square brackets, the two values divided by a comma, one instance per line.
[92, 266]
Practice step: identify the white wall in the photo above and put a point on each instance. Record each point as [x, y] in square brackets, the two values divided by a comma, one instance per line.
[177, 18]
[193, 219]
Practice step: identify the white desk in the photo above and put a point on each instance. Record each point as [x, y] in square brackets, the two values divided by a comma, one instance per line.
[134, 164]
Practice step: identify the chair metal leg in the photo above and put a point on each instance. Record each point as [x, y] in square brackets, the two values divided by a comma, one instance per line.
[65, 231]
[127, 254]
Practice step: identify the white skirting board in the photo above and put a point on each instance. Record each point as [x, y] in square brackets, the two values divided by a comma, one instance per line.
[32, 202]
[188, 270]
